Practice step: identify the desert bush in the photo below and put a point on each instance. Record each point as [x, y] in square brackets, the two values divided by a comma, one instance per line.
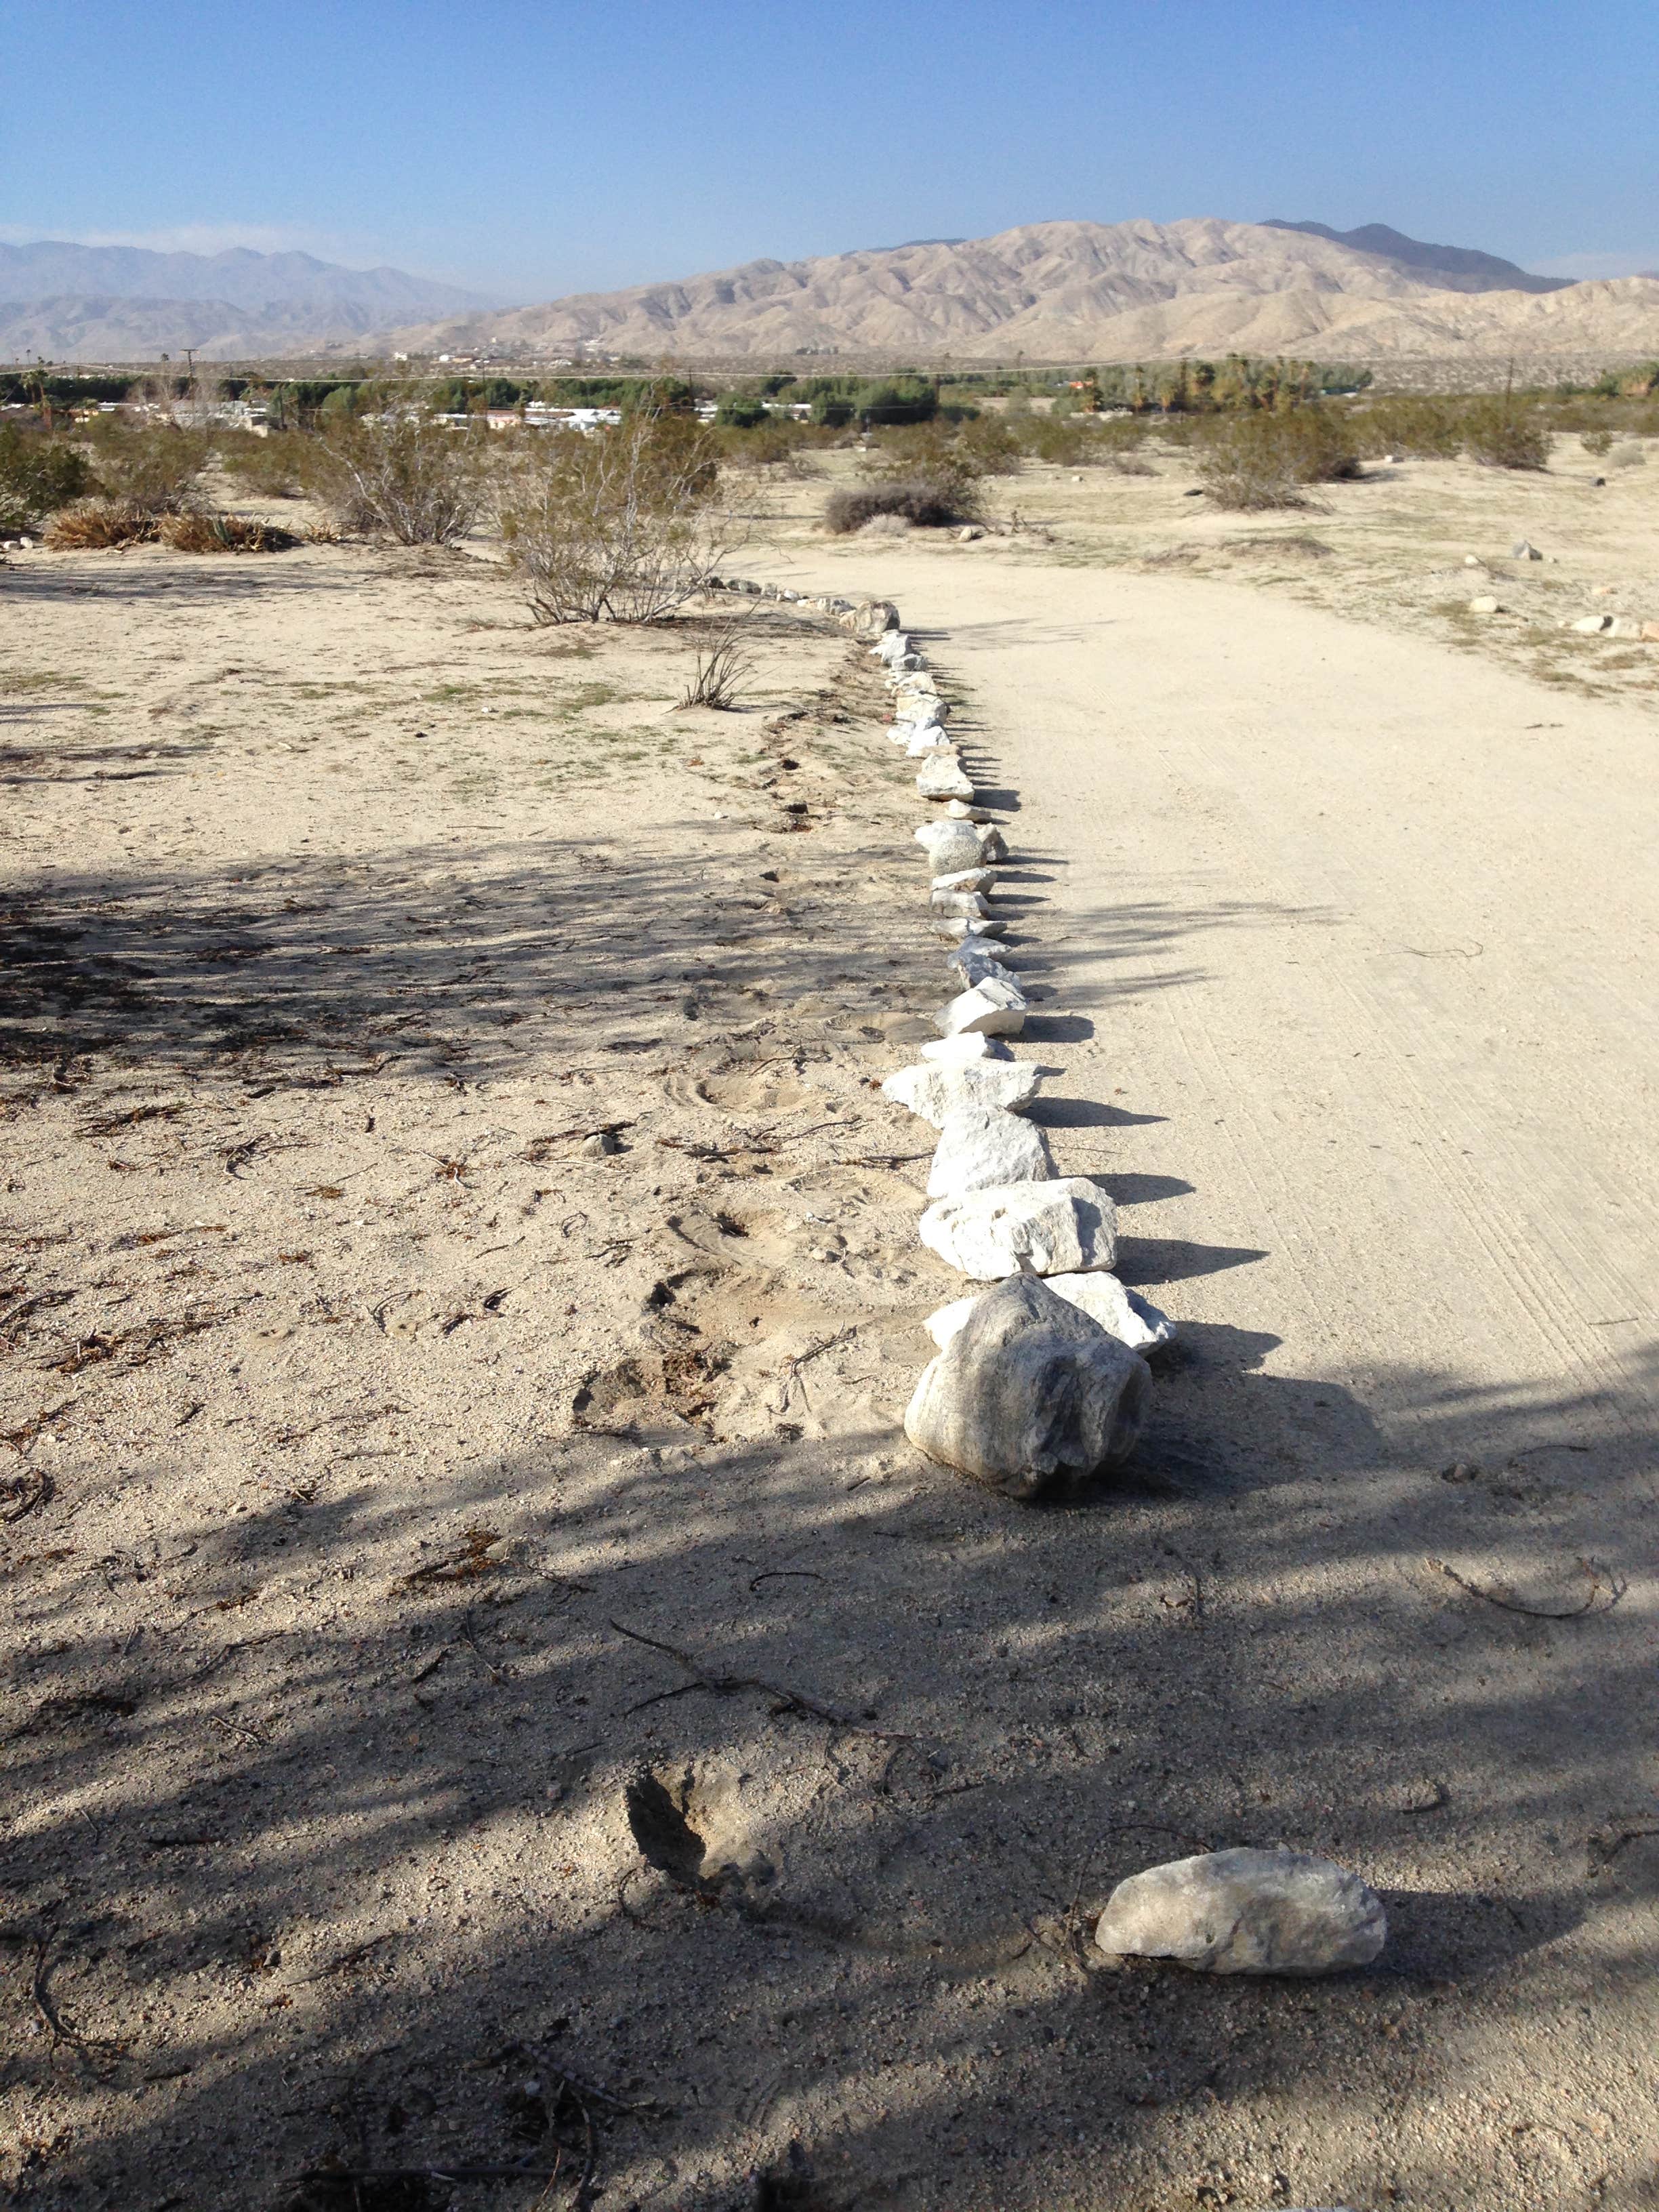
[38, 476]
[1597, 443]
[620, 526]
[415, 482]
[1426, 429]
[205, 531]
[156, 466]
[277, 466]
[1501, 435]
[740, 411]
[1627, 454]
[1253, 461]
[929, 502]
[723, 673]
[101, 526]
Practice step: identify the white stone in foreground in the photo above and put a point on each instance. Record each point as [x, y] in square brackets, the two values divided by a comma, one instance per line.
[927, 738]
[937, 1092]
[992, 846]
[974, 961]
[983, 1148]
[966, 879]
[1246, 1912]
[1065, 1227]
[997, 1008]
[971, 903]
[943, 778]
[1029, 1396]
[965, 1051]
[1121, 1312]
[960, 812]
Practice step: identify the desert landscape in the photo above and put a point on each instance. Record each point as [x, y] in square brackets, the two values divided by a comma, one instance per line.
[501, 1712]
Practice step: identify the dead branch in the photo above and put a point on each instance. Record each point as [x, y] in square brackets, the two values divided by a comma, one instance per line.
[1600, 1579]
[727, 1686]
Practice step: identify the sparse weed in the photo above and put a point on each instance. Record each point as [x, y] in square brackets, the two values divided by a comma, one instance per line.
[723, 673]
[205, 531]
[101, 526]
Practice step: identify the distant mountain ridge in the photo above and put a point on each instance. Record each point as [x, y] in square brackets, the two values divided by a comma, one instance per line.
[1080, 291]
[1497, 275]
[117, 302]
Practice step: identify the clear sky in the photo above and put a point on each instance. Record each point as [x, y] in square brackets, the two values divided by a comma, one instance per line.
[528, 148]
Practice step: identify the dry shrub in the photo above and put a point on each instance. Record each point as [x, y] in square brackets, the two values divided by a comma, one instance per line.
[101, 526]
[1500, 436]
[415, 481]
[276, 466]
[931, 502]
[618, 525]
[205, 531]
[154, 466]
[723, 673]
[1252, 462]
[38, 476]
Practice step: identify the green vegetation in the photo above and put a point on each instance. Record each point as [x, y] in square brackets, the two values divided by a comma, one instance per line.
[38, 476]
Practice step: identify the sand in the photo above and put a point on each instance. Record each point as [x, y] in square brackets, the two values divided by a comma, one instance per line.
[476, 1620]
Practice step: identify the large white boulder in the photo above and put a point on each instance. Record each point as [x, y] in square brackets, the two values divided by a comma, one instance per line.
[943, 778]
[1065, 1227]
[1121, 1312]
[983, 1148]
[937, 1092]
[1030, 1395]
[1246, 1912]
[997, 1008]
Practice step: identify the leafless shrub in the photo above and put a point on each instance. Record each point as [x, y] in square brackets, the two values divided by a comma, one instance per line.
[622, 526]
[415, 481]
[723, 673]
[207, 531]
[101, 526]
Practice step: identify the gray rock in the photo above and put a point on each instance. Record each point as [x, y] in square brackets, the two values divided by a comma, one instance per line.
[982, 1148]
[992, 846]
[1246, 1912]
[1121, 1312]
[938, 1092]
[959, 813]
[997, 1008]
[1524, 550]
[971, 903]
[974, 962]
[949, 845]
[1030, 1395]
[966, 879]
[1065, 1227]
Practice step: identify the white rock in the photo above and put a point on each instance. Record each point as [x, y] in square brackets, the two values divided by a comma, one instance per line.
[949, 845]
[966, 879]
[1591, 625]
[1121, 1312]
[971, 903]
[1060, 1228]
[942, 778]
[997, 1008]
[1624, 626]
[1246, 1912]
[1030, 1395]
[939, 1093]
[973, 962]
[959, 812]
[1486, 606]
[928, 737]
[1524, 550]
[983, 1148]
[966, 1050]
[991, 846]
[960, 927]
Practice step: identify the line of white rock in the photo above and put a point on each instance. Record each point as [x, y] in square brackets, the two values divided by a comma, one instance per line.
[1040, 1382]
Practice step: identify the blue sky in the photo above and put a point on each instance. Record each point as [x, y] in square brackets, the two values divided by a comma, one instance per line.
[527, 147]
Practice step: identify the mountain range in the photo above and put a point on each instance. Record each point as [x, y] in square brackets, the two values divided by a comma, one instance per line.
[1049, 291]
[127, 303]
[1072, 291]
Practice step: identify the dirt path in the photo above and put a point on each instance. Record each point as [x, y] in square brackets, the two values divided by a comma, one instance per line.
[476, 1625]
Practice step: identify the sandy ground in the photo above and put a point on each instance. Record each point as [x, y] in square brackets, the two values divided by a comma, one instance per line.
[365, 1424]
